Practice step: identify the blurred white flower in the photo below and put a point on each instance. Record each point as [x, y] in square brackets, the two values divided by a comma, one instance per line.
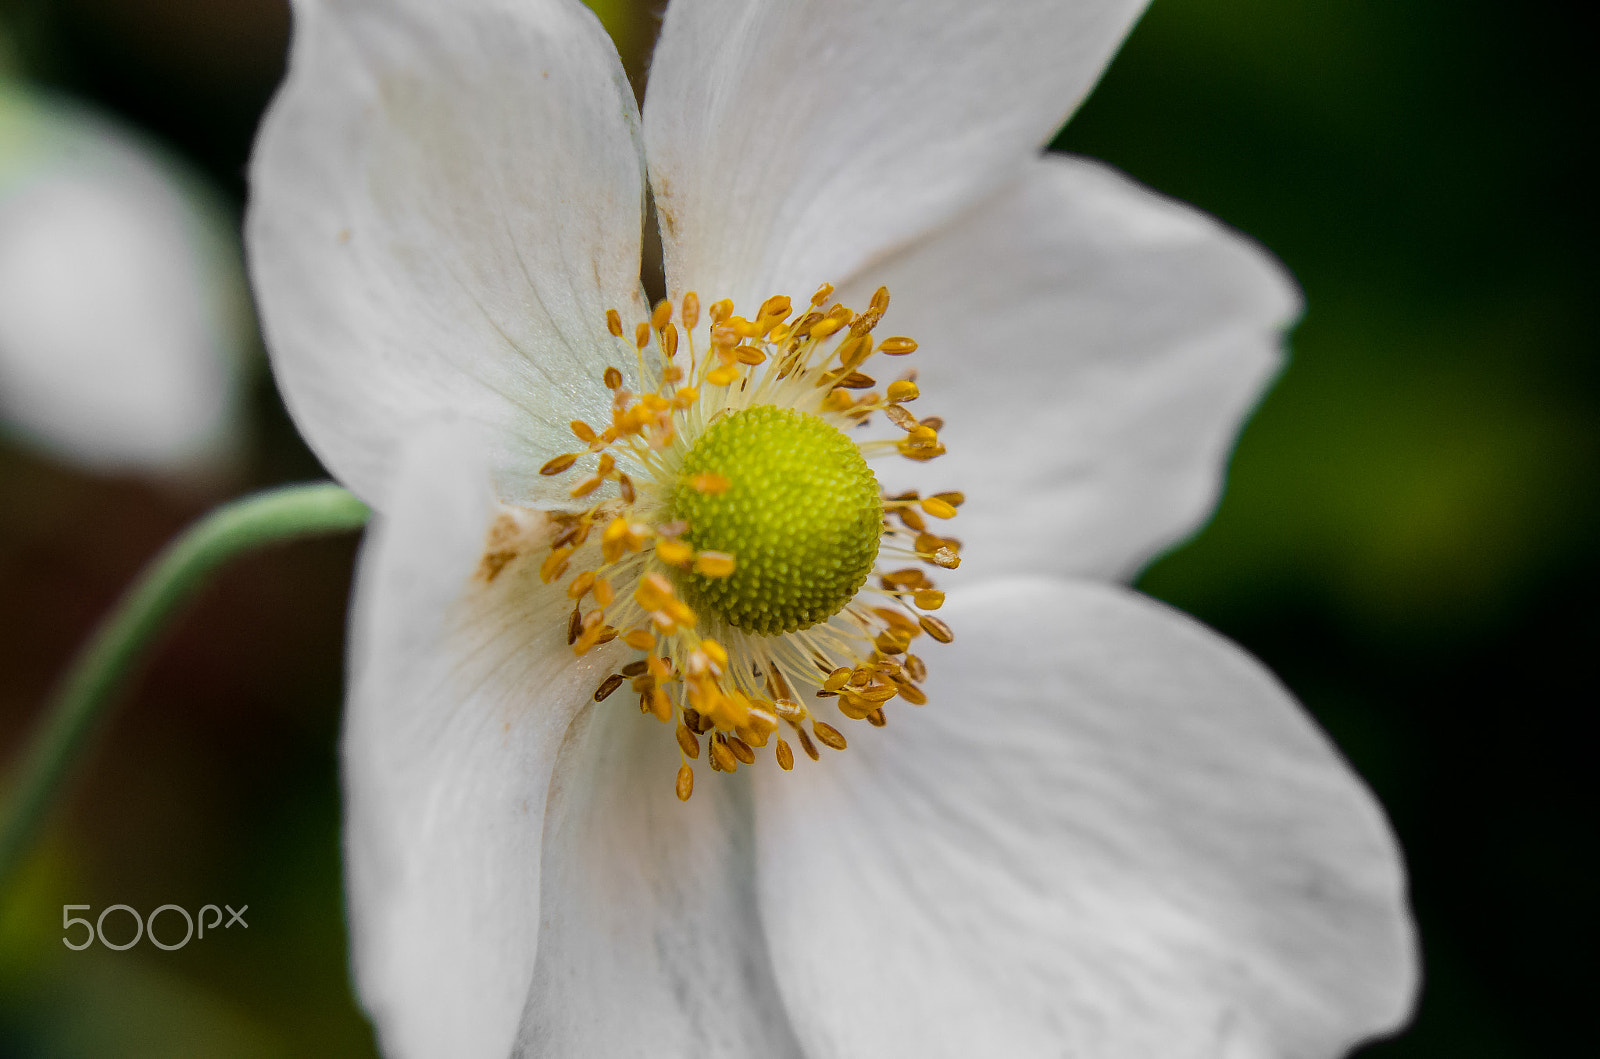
[1107, 833]
[125, 325]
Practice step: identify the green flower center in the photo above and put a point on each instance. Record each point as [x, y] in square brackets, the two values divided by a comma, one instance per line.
[801, 514]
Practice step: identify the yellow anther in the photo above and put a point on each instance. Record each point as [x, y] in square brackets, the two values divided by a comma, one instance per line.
[721, 310]
[903, 390]
[639, 639]
[612, 378]
[557, 464]
[659, 667]
[911, 693]
[715, 653]
[653, 593]
[827, 326]
[920, 453]
[714, 564]
[685, 397]
[938, 508]
[608, 463]
[580, 585]
[789, 710]
[763, 722]
[778, 305]
[584, 431]
[892, 641]
[785, 756]
[691, 309]
[828, 735]
[603, 592]
[674, 553]
[722, 757]
[614, 322]
[587, 486]
[751, 737]
[660, 705]
[688, 743]
[852, 351]
[741, 750]
[749, 355]
[680, 612]
[661, 314]
[953, 499]
[669, 340]
[615, 530]
[929, 600]
[685, 784]
[554, 564]
[936, 628]
[710, 483]
[880, 301]
[898, 346]
[837, 400]
[641, 334]
[726, 375]
[837, 679]
[824, 292]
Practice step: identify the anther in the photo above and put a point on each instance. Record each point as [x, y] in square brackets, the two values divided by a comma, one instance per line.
[828, 735]
[661, 314]
[898, 346]
[612, 377]
[938, 508]
[928, 599]
[614, 322]
[785, 756]
[936, 628]
[688, 743]
[691, 309]
[714, 564]
[557, 464]
[723, 757]
[903, 390]
[607, 686]
[685, 785]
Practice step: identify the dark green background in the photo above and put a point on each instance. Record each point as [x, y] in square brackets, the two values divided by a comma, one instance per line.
[1405, 537]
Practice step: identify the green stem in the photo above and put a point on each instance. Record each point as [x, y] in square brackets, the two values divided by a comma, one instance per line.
[167, 582]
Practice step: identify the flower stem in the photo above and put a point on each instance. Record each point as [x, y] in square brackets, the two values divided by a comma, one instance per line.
[166, 583]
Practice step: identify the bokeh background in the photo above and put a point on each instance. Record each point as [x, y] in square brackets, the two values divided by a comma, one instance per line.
[1406, 538]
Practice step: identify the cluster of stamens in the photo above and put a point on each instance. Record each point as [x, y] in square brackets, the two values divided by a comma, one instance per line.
[636, 568]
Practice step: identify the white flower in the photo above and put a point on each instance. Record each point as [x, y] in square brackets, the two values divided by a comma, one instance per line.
[124, 319]
[1108, 832]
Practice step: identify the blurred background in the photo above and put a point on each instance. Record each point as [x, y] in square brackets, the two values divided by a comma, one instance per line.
[1406, 538]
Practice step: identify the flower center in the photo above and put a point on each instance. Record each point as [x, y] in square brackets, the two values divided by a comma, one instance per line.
[801, 510]
[737, 554]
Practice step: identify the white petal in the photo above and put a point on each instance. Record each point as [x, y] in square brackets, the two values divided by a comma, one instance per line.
[445, 201]
[1094, 348]
[124, 320]
[651, 944]
[790, 141]
[460, 696]
[1109, 833]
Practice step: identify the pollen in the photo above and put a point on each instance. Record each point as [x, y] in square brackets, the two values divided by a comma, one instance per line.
[727, 527]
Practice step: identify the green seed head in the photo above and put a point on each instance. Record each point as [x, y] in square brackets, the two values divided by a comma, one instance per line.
[802, 518]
